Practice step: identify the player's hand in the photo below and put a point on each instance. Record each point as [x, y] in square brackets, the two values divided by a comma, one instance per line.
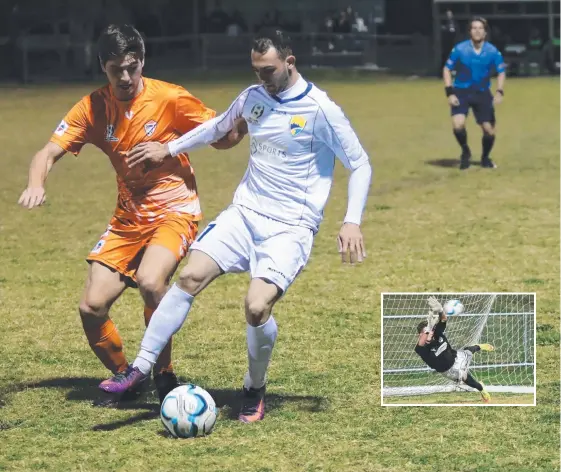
[153, 152]
[32, 197]
[435, 306]
[453, 100]
[497, 98]
[351, 243]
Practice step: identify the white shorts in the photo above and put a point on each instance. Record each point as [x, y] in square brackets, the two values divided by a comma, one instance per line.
[459, 370]
[241, 240]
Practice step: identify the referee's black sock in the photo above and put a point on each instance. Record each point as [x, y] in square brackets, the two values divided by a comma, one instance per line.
[462, 138]
[472, 349]
[473, 383]
[487, 144]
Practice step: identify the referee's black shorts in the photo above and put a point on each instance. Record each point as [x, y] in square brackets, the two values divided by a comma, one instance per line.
[480, 101]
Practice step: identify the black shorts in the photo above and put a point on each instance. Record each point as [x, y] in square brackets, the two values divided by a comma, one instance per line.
[481, 102]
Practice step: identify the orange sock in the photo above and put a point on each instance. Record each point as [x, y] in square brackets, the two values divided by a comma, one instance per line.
[163, 364]
[106, 343]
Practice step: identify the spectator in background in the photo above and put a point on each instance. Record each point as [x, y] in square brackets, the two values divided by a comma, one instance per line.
[218, 20]
[237, 24]
[359, 25]
[270, 21]
[328, 24]
[535, 40]
[449, 35]
[536, 52]
[343, 23]
[552, 53]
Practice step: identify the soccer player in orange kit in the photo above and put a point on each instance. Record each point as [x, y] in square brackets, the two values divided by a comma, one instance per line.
[158, 209]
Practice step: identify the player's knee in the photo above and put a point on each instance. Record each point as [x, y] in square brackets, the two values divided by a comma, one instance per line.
[151, 285]
[488, 130]
[457, 127]
[91, 308]
[257, 311]
[191, 280]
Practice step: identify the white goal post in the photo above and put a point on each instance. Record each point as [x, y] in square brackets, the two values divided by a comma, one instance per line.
[505, 320]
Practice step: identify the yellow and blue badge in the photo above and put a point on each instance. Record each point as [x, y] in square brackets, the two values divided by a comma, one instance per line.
[297, 124]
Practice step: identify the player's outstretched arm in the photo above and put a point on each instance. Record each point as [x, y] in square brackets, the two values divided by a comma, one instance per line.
[205, 134]
[34, 195]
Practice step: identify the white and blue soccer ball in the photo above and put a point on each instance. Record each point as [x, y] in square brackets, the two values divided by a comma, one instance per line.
[188, 411]
[453, 307]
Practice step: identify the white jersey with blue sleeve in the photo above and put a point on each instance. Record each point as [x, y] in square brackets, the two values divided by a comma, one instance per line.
[294, 139]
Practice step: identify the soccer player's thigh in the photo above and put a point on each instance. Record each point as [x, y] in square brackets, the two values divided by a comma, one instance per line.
[276, 263]
[168, 242]
[111, 267]
[227, 241]
[484, 111]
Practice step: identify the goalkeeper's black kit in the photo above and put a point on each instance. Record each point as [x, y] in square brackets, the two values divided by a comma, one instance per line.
[438, 354]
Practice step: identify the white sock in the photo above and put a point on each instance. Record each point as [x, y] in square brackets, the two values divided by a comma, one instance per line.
[165, 322]
[260, 342]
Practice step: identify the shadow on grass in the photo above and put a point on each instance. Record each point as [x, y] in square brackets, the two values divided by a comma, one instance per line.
[227, 400]
[449, 163]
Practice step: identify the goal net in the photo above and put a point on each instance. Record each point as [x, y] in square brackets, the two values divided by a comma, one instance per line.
[504, 320]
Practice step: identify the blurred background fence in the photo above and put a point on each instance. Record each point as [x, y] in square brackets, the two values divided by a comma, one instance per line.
[55, 39]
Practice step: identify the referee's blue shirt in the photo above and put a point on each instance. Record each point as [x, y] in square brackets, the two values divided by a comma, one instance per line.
[474, 69]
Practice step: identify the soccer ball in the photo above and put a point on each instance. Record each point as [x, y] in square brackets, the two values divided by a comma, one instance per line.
[453, 307]
[188, 411]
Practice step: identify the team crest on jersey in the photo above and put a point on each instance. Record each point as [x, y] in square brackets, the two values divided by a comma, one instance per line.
[110, 134]
[150, 127]
[256, 112]
[183, 246]
[61, 128]
[297, 124]
[98, 247]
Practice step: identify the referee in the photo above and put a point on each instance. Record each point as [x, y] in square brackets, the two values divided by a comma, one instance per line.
[474, 61]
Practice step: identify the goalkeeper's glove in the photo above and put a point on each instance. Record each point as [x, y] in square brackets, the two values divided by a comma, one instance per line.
[435, 306]
[432, 319]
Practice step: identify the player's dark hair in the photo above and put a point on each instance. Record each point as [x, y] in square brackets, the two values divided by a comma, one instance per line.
[119, 41]
[274, 39]
[421, 326]
[481, 20]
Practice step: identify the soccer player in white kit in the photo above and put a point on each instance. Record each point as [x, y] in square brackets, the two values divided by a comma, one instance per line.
[295, 133]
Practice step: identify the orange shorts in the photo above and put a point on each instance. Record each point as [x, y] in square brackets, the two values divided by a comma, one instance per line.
[122, 245]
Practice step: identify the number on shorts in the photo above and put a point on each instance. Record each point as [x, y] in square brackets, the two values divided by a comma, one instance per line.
[205, 232]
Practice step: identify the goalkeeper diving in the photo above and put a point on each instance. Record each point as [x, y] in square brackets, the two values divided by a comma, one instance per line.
[435, 350]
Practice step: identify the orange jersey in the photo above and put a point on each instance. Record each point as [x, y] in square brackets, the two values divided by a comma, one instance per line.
[161, 112]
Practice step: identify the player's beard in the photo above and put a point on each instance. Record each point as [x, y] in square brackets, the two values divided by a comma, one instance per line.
[281, 82]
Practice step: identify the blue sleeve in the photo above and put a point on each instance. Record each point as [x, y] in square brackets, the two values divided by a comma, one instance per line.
[453, 58]
[499, 62]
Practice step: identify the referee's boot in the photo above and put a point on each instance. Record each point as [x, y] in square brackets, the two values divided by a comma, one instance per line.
[465, 160]
[487, 163]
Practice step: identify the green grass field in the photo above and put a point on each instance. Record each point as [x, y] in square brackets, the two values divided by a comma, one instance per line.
[427, 227]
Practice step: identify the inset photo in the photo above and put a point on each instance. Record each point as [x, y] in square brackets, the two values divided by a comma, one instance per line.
[463, 349]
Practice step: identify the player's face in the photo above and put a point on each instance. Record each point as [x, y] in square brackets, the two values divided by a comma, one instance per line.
[124, 75]
[272, 71]
[477, 31]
